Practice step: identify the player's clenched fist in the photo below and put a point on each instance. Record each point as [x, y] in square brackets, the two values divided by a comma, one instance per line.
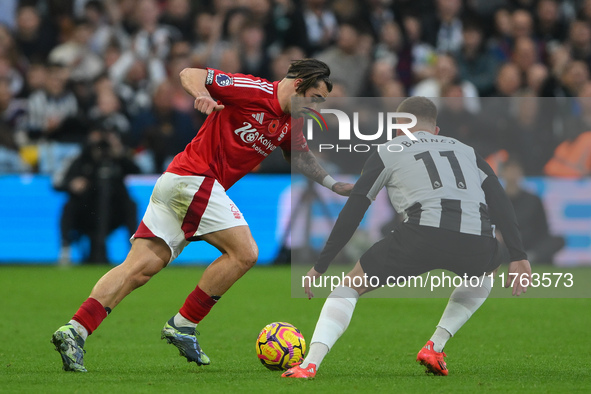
[205, 104]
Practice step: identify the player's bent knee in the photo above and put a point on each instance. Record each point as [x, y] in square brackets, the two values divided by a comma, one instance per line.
[249, 257]
[138, 273]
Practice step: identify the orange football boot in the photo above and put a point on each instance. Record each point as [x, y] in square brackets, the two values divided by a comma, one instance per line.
[432, 360]
[299, 372]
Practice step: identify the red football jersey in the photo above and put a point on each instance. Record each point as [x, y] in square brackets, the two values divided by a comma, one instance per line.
[233, 141]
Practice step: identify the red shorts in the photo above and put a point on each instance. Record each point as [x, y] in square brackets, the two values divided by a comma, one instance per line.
[183, 208]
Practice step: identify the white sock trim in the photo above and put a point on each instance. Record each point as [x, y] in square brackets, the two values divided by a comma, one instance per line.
[83, 332]
[181, 321]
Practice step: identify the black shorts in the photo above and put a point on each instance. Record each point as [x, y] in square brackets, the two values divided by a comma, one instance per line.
[412, 250]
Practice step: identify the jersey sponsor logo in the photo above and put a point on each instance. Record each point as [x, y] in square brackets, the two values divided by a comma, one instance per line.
[259, 141]
[223, 80]
[259, 117]
[209, 79]
[247, 133]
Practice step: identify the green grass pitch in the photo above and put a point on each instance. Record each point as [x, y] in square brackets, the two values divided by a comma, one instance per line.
[510, 345]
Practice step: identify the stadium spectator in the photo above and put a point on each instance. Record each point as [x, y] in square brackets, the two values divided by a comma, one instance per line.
[501, 41]
[446, 73]
[102, 33]
[160, 132]
[524, 54]
[522, 24]
[535, 78]
[208, 39]
[585, 10]
[254, 59]
[459, 122]
[579, 41]
[12, 114]
[107, 115]
[75, 53]
[346, 60]
[33, 38]
[423, 54]
[382, 72]
[135, 87]
[567, 84]
[11, 74]
[390, 43]
[508, 81]
[230, 60]
[152, 40]
[9, 49]
[321, 25]
[572, 157]
[280, 63]
[98, 200]
[529, 136]
[178, 59]
[53, 120]
[541, 37]
[476, 63]
[539, 244]
[177, 13]
[550, 27]
[391, 89]
[443, 30]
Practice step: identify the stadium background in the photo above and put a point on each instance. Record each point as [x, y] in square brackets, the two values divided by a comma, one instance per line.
[101, 57]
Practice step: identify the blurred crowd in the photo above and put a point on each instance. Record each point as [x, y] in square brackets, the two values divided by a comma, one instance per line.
[70, 69]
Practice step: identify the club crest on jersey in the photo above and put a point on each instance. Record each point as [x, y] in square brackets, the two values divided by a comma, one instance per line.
[247, 133]
[223, 80]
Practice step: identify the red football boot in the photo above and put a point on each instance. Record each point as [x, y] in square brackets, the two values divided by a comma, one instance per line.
[299, 372]
[432, 360]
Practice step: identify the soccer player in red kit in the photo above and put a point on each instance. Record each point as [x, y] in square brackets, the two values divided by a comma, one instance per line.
[250, 119]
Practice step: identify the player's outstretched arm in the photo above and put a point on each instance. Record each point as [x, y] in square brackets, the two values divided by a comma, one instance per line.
[306, 163]
[193, 81]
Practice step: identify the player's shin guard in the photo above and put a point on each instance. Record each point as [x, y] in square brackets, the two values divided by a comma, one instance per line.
[332, 323]
[463, 302]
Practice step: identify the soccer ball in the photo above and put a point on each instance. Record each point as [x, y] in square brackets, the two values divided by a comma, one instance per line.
[280, 346]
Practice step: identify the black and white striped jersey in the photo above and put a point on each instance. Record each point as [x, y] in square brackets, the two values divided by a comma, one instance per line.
[433, 181]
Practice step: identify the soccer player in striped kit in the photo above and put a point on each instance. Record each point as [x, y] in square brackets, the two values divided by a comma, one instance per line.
[450, 197]
[248, 119]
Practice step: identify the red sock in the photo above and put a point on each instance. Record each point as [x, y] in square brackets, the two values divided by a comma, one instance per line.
[197, 305]
[90, 314]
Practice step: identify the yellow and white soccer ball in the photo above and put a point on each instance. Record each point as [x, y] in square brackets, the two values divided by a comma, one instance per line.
[280, 346]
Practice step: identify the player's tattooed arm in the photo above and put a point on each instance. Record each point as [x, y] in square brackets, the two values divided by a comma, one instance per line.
[306, 163]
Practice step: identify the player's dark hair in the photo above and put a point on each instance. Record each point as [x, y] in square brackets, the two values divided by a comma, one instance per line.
[421, 107]
[312, 72]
